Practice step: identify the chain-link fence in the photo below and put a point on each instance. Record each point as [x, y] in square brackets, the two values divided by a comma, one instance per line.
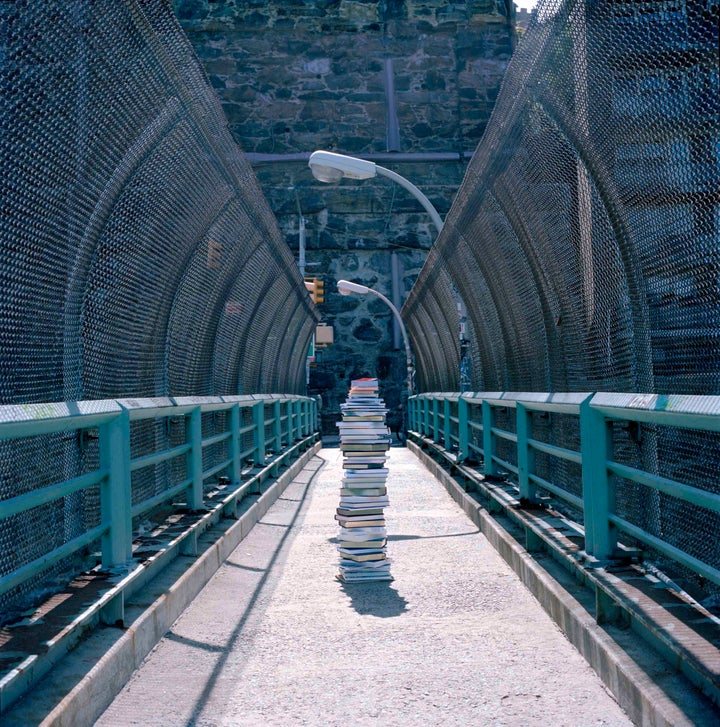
[139, 256]
[585, 238]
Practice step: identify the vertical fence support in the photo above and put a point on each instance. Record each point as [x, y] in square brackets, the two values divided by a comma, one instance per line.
[277, 426]
[290, 422]
[435, 421]
[525, 455]
[115, 493]
[598, 490]
[447, 425]
[235, 467]
[303, 417]
[463, 429]
[259, 433]
[297, 411]
[193, 459]
[489, 467]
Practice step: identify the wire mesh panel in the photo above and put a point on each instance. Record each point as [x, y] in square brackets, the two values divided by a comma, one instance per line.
[433, 326]
[587, 222]
[585, 238]
[129, 220]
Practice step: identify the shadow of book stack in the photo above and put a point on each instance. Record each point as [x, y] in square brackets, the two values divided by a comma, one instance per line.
[364, 440]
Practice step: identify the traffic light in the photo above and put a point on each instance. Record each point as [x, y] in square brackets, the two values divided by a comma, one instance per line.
[316, 288]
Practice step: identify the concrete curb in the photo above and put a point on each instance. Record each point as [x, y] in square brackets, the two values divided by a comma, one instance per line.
[638, 693]
[93, 693]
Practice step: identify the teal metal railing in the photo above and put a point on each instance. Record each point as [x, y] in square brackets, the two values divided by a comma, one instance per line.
[256, 426]
[465, 426]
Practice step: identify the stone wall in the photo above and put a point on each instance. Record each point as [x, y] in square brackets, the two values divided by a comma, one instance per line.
[397, 81]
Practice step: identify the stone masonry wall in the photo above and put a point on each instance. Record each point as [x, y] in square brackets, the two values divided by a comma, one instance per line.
[401, 79]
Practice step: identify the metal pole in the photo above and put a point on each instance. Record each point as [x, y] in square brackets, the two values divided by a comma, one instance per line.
[406, 340]
[424, 201]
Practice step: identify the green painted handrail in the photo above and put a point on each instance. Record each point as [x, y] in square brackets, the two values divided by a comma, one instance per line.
[289, 417]
[477, 432]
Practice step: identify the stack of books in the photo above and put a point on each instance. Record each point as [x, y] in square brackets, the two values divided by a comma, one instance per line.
[364, 440]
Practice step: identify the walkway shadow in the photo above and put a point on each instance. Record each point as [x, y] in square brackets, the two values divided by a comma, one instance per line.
[375, 598]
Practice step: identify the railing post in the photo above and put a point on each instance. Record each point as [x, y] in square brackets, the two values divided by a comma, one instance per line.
[277, 425]
[235, 419]
[598, 489]
[525, 455]
[489, 467]
[463, 430]
[115, 493]
[302, 417]
[194, 463]
[259, 433]
[447, 428]
[435, 420]
[297, 412]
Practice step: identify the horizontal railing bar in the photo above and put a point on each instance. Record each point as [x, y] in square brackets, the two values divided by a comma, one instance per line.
[552, 449]
[36, 427]
[164, 412]
[682, 410]
[574, 500]
[217, 468]
[42, 496]
[146, 460]
[49, 559]
[145, 505]
[247, 453]
[477, 426]
[246, 429]
[504, 434]
[216, 439]
[665, 548]
[476, 448]
[688, 493]
[507, 465]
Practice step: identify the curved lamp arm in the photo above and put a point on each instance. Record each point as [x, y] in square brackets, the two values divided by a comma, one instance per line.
[347, 287]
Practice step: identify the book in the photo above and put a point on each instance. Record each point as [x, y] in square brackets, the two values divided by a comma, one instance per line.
[357, 534]
[367, 544]
[364, 447]
[364, 491]
[359, 512]
[352, 524]
[363, 501]
[361, 556]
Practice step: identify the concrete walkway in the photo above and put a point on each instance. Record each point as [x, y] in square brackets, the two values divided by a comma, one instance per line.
[274, 639]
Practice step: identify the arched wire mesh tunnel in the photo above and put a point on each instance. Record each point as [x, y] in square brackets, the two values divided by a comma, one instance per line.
[139, 257]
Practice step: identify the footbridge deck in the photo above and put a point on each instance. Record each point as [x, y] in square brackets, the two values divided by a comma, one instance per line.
[274, 639]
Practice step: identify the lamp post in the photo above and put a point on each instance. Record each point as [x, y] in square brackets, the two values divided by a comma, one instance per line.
[330, 167]
[346, 287]
[327, 166]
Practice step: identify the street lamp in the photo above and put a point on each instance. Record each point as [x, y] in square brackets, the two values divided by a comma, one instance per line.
[327, 166]
[346, 287]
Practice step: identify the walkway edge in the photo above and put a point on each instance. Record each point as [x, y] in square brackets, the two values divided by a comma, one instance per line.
[645, 702]
[94, 692]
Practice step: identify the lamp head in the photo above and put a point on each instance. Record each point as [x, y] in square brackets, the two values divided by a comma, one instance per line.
[346, 287]
[327, 166]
